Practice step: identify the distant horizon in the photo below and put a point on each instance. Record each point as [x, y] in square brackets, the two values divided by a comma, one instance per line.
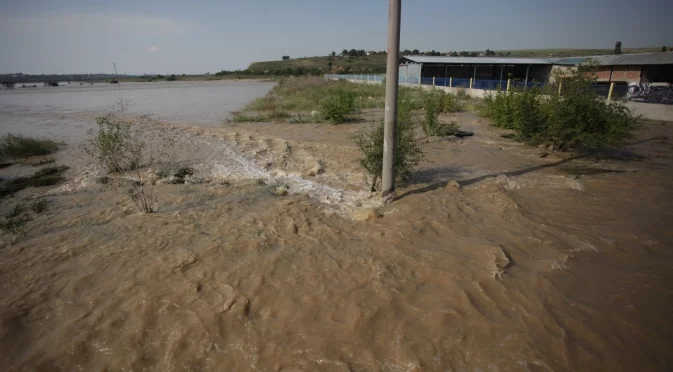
[337, 52]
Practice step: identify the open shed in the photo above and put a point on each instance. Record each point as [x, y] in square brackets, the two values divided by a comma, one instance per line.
[476, 68]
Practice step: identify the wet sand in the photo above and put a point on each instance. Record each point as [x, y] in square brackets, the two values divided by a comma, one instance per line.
[523, 266]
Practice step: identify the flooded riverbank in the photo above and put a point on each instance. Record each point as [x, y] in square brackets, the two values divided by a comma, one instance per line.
[520, 265]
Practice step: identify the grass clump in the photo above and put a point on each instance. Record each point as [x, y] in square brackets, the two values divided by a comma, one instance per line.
[18, 146]
[576, 119]
[409, 147]
[44, 177]
[336, 107]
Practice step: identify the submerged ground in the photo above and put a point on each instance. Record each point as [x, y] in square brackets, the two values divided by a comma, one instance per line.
[536, 264]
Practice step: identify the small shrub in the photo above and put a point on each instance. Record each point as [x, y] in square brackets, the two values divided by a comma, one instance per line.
[338, 105]
[577, 119]
[114, 81]
[122, 147]
[51, 84]
[171, 78]
[18, 146]
[430, 122]
[461, 93]
[432, 126]
[409, 151]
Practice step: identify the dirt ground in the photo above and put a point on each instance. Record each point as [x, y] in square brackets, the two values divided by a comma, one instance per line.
[529, 262]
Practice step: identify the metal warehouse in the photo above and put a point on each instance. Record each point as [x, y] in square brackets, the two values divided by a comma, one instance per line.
[487, 72]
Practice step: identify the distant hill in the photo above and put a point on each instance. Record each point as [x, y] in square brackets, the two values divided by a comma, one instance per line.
[376, 63]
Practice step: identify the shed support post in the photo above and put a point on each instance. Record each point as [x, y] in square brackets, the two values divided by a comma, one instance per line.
[526, 82]
[470, 83]
[446, 73]
[502, 69]
[508, 81]
[450, 82]
[474, 75]
[612, 86]
[433, 81]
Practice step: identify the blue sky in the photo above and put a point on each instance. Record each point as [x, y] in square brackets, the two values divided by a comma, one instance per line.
[80, 36]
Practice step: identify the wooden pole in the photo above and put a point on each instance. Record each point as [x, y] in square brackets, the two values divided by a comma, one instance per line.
[612, 86]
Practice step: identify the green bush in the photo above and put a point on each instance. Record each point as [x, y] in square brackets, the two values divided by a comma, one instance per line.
[122, 146]
[116, 145]
[409, 151]
[18, 146]
[576, 119]
[338, 105]
[431, 125]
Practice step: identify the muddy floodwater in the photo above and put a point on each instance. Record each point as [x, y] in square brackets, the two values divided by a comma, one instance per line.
[494, 257]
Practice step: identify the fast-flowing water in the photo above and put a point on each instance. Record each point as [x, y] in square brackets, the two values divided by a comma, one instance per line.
[521, 268]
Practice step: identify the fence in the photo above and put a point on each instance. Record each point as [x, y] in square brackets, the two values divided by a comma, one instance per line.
[603, 90]
[440, 82]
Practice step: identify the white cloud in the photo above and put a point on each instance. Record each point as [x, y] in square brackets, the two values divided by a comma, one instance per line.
[152, 48]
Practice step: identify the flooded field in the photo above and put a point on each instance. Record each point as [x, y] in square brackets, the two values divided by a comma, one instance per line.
[526, 263]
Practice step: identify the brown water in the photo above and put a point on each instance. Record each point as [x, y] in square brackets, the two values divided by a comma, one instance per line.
[525, 267]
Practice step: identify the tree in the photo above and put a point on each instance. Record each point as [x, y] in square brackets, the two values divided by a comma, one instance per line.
[333, 54]
[454, 54]
[406, 52]
[285, 58]
[344, 52]
[415, 52]
[361, 52]
[618, 47]
[664, 49]
[353, 53]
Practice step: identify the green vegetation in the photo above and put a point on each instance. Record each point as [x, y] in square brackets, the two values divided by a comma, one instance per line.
[348, 63]
[338, 104]
[576, 119]
[432, 126]
[17, 146]
[122, 147]
[295, 99]
[44, 177]
[409, 147]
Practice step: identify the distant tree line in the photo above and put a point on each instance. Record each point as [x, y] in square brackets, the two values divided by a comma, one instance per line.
[28, 78]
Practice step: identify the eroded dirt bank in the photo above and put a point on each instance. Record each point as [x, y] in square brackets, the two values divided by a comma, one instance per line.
[525, 266]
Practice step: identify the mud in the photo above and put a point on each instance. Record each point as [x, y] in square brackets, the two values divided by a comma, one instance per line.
[490, 259]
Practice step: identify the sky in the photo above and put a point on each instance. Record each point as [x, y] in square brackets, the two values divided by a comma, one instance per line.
[198, 36]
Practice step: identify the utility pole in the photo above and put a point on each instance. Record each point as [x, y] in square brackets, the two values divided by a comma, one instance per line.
[116, 75]
[390, 118]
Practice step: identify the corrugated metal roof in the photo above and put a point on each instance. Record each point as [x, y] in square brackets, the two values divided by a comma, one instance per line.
[622, 59]
[605, 60]
[478, 60]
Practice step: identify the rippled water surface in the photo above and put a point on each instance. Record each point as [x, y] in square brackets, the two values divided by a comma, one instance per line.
[34, 110]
